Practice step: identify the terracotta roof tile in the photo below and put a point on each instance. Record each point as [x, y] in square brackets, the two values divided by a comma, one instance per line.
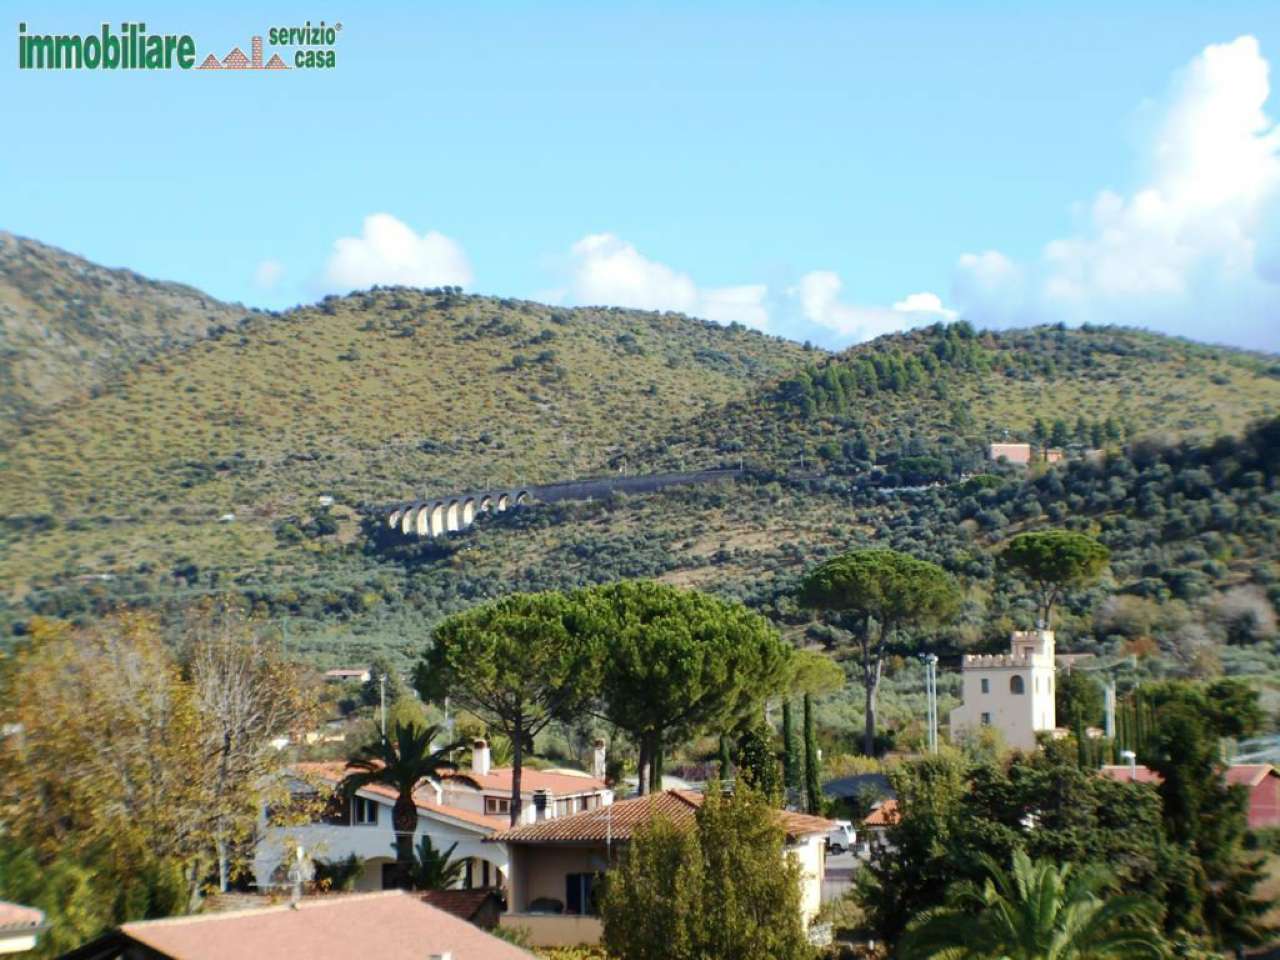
[390, 926]
[619, 820]
[1249, 774]
[16, 917]
[461, 903]
[559, 783]
[885, 815]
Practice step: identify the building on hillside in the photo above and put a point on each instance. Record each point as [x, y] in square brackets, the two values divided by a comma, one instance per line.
[1261, 780]
[556, 864]
[544, 794]
[1018, 454]
[362, 826]
[465, 808]
[1011, 692]
[390, 926]
[1054, 455]
[20, 927]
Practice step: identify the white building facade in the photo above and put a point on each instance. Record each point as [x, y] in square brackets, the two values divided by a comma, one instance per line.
[1012, 692]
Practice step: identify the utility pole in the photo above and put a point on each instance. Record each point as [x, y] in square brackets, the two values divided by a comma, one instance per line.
[930, 661]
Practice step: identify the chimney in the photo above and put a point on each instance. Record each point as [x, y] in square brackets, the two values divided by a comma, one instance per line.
[480, 757]
[597, 760]
[256, 60]
[539, 805]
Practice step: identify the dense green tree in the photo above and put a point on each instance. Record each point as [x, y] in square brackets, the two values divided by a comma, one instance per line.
[1078, 699]
[1054, 561]
[757, 763]
[878, 593]
[790, 759]
[723, 890]
[1059, 434]
[1207, 817]
[401, 761]
[516, 663]
[812, 764]
[678, 663]
[1036, 911]
[953, 811]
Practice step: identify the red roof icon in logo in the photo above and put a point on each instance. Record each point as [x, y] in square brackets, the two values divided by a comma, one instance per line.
[210, 63]
[275, 63]
[235, 60]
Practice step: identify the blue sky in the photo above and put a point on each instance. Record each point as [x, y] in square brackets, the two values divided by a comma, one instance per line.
[799, 167]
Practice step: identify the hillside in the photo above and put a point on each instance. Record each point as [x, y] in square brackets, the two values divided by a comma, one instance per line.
[68, 325]
[374, 396]
[946, 392]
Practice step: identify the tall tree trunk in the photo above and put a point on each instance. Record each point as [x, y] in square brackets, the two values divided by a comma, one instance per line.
[725, 760]
[642, 766]
[404, 820]
[872, 663]
[517, 766]
[655, 765]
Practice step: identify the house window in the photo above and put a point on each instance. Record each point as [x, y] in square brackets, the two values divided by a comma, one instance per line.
[986, 685]
[1016, 684]
[986, 719]
[497, 805]
[364, 812]
[580, 893]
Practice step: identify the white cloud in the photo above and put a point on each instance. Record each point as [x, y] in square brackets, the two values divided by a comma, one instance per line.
[1192, 251]
[607, 270]
[389, 252]
[819, 296]
[268, 274]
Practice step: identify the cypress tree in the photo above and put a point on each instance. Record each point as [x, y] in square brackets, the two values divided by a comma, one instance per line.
[726, 765]
[812, 775]
[790, 780]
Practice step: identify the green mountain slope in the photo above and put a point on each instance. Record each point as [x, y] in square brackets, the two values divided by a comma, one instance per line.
[946, 392]
[375, 396]
[68, 325]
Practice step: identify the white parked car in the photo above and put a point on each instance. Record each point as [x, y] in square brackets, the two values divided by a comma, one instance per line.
[842, 837]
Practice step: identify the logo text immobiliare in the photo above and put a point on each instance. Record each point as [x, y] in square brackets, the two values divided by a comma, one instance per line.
[133, 48]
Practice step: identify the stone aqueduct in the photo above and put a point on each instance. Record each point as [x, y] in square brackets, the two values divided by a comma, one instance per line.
[440, 516]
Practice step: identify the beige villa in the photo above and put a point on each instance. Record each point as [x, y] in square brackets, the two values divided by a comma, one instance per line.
[554, 864]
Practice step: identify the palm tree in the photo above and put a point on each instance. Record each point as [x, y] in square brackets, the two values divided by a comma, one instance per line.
[432, 868]
[1036, 911]
[401, 762]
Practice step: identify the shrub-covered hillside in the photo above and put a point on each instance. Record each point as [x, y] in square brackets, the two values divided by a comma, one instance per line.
[945, 392]
[68, 325]
[375, 396]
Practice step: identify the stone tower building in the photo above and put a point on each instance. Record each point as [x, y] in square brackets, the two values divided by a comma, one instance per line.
[1012, 692]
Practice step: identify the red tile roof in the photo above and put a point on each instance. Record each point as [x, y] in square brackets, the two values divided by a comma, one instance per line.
[885, 815]
[559, 783]
[390, 926]
[619, 820]
[16, 918]
[333, 772]
[1237, 774]
[1249, 774]
[461, 903]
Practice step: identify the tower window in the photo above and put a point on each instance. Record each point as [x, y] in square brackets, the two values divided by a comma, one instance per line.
[1016, 684]
[986, 685]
